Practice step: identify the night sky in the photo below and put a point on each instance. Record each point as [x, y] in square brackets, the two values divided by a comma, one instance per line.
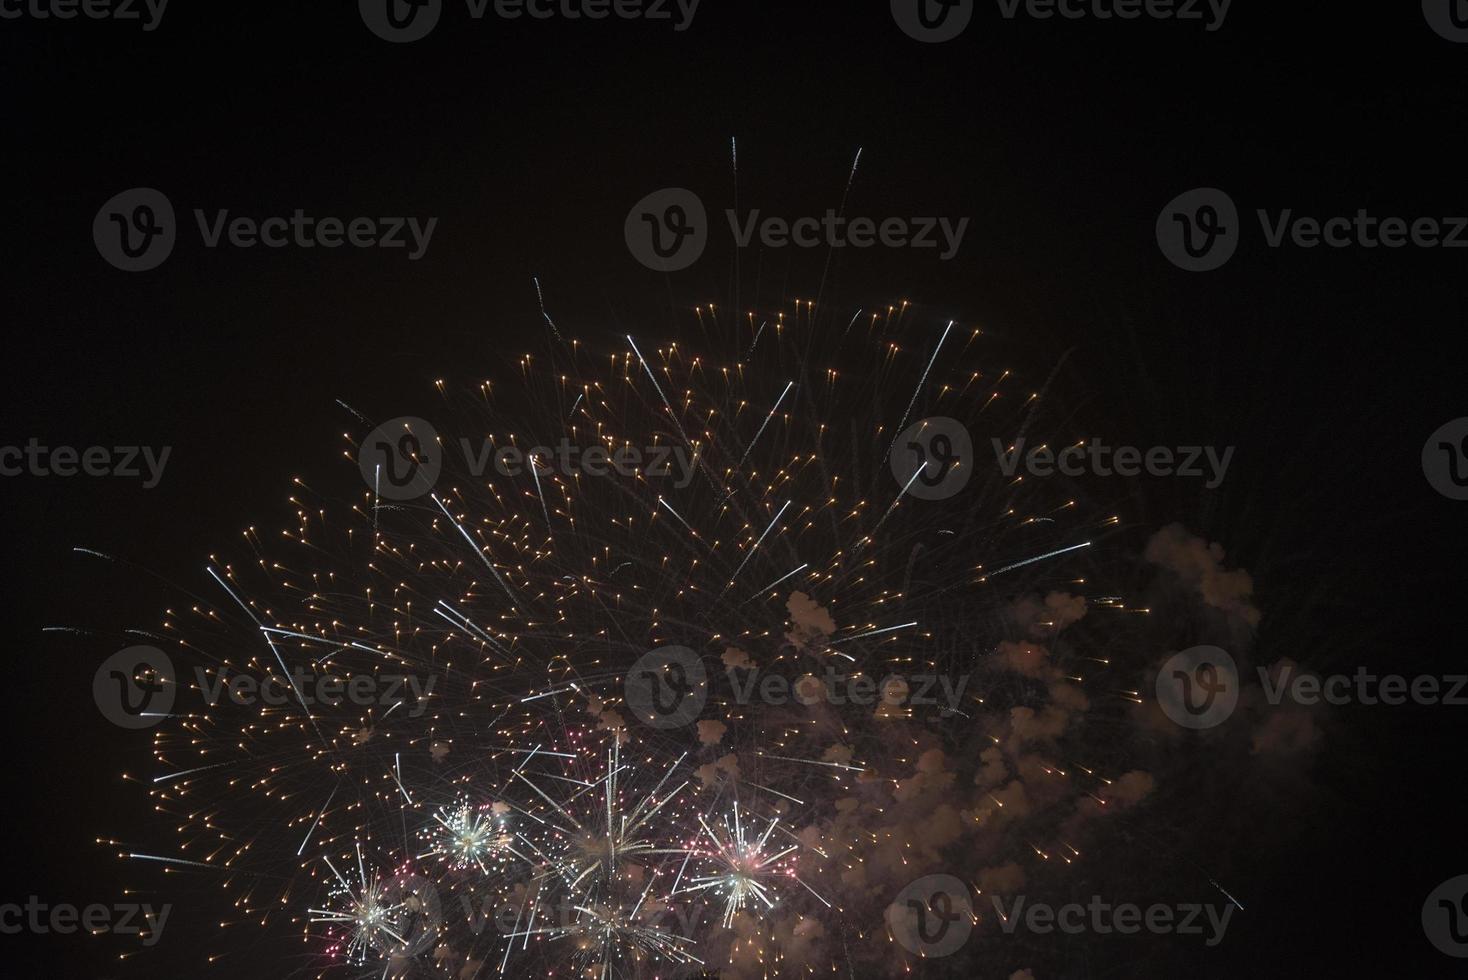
[528, 140]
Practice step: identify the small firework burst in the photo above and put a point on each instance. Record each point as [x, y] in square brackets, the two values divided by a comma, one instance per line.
[748, 867]
[465, 836]
[377, 915]
[616, 939]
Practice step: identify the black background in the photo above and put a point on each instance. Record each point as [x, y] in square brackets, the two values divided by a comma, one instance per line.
[531, 140]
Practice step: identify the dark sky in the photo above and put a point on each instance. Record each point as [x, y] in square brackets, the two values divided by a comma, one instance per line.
[529, 141]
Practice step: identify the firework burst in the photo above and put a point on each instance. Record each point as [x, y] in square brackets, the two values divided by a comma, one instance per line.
[754, 503]
[465, 836]
[380, 914]
[747, 868]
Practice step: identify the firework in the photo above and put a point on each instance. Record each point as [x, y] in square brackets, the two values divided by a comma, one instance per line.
[465, 836]
[378, 912]
[746, 867]
[561, 833]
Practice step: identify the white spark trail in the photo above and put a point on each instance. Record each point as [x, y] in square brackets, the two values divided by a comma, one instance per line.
[777, 581]
[1031, 561]
[917, 391]
[301, 850]
[764, 424]
[885, 629]
[752, 550]
[169, 860]
[477, 551]
[188, 772]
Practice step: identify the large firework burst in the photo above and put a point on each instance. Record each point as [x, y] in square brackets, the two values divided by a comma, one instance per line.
[791, 507]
